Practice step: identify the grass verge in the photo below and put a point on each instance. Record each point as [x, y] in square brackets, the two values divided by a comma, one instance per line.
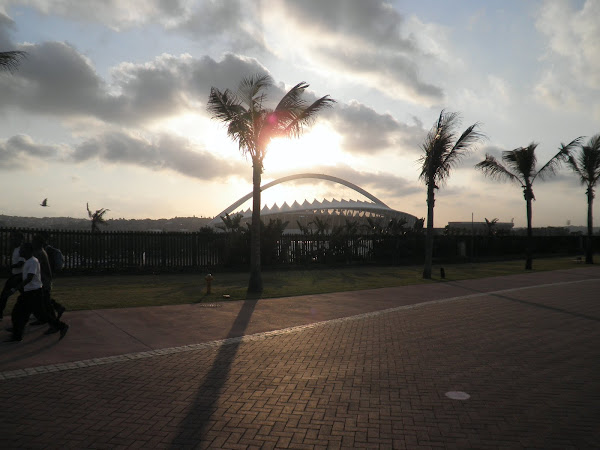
[119, 291]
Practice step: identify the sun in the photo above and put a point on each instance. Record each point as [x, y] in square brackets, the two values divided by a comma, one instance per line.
[320, 146]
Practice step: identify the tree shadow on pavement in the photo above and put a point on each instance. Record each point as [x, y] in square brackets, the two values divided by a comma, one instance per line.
[193, 427]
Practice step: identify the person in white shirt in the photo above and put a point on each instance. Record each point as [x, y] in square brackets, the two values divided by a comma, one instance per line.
[16, 239]
[32, 299]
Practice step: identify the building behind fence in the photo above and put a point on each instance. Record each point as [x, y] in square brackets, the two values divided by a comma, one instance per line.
[122, 252]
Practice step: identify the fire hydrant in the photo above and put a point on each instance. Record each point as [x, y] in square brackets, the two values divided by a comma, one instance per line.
[209, 278]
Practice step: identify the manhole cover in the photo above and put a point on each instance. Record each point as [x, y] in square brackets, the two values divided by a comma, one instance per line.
[458, 395]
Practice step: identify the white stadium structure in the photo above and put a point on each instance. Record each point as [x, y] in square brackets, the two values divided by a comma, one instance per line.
[334, 212]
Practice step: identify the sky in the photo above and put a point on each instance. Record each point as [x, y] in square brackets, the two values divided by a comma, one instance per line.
[109, 107]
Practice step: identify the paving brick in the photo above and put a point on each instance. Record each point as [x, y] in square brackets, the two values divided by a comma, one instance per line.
[528, 358]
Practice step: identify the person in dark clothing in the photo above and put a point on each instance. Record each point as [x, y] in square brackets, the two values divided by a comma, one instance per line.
[16, 239]
[32, 299]
[38, 244]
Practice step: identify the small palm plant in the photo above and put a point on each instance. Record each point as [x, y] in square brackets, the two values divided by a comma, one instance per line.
[253, 125]
[587, 166]
[97, 217]
[441, 152]
[520, 167]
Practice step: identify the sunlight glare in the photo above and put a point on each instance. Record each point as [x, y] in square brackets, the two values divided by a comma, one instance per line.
[318, 147]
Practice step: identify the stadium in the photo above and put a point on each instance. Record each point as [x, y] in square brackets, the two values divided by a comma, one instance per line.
[333, 212]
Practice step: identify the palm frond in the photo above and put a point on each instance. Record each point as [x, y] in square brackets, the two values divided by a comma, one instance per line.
[293, 98]
[252, 86]
[554, 163]
[306, 116]
[441, 152]
[522, 160]
[464, 145]
[492, 168]
[10, 60]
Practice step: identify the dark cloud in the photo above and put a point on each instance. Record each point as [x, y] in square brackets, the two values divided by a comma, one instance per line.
[366, 131]
[163, 152]
[55, 79]
[21, 151]
[376, 22]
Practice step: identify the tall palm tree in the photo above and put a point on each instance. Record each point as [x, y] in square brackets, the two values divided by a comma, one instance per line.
[587, 166]
[253, 125]
[519, 167]
[10, 60]
[97, 217]
[442, 151]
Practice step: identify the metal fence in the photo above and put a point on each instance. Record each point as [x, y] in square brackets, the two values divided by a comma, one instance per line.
[122, 252]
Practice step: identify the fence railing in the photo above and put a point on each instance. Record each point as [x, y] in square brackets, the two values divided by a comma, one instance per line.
[129, 251]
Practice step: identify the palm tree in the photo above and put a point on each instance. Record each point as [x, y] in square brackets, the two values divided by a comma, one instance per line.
[491, 225]
[587, 166]
[253, 125]
[97, 217]
[519, 166]
[10, 60]
[442, 151]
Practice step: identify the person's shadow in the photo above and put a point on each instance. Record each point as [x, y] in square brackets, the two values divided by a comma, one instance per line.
[192, 428]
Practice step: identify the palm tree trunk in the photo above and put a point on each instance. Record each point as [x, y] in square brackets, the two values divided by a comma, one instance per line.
[429, 235]
[255, 285]
[528, 257]
[589, 251]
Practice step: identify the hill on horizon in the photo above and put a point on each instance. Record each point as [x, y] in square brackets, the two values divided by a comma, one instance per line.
[70, 223]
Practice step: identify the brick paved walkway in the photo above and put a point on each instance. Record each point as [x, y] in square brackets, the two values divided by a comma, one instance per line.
[528, 357]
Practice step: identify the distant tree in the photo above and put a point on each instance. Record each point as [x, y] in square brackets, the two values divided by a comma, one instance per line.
[305, 230]
[519, 167]
[231, 224]
[373, 226]
[491, 226]
[418, 226]
[586, 164]
[10, 60]
[253, 125]
[97, 217]
[395, 227]
[441, 152]
[322, 226]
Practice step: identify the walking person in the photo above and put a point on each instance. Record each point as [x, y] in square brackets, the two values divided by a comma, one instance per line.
[40, 254]
[32, 299]
[16, 239]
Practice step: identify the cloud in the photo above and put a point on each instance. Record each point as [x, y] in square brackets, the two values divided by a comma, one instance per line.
[160, 152]
[21, 152]
[574, 36]
[231, 22]
[56, 80]
[358, 40]
[365, 131]
[115, 14]
[572, 75]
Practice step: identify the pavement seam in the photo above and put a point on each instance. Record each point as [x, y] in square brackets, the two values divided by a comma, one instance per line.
[60, 367]
[121, 329]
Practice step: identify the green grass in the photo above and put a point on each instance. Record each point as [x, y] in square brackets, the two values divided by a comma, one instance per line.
[117, 291]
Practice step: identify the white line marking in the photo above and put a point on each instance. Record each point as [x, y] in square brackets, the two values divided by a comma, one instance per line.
[60, 367]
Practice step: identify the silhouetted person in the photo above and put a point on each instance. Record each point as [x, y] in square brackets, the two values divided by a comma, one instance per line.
[38, 243]
[16, 239]
[32, 299]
